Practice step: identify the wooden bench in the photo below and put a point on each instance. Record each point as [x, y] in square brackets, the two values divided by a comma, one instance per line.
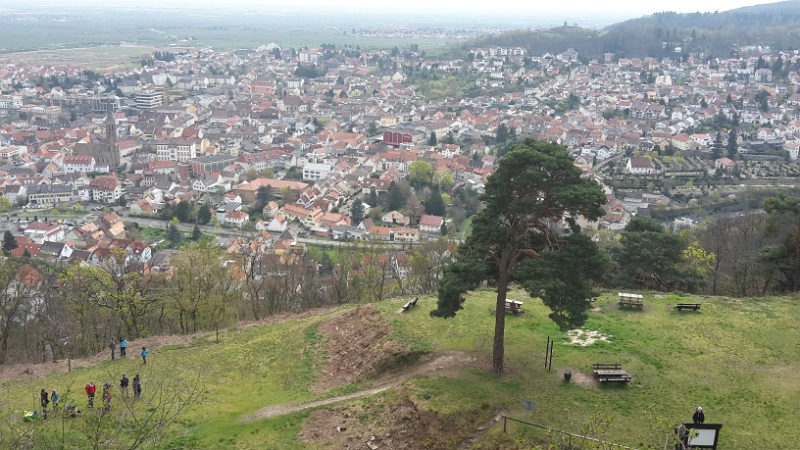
[408, 305]
[618, 379]
[599, 366]
[687, 306]
[631, 303]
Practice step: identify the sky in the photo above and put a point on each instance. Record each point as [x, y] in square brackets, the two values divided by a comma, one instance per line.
[629, 8]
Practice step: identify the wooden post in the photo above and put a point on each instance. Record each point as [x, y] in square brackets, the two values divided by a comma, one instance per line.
[505, 420]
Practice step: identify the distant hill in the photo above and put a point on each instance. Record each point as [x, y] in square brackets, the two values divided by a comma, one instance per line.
[770, 14]
[718, 34]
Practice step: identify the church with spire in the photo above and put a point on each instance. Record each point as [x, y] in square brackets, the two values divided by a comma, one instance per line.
[106, 150]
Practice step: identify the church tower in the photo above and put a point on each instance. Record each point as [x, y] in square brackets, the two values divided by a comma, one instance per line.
[111, 136]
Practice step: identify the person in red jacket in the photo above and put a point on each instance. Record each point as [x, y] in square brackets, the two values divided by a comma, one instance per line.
[91, 389]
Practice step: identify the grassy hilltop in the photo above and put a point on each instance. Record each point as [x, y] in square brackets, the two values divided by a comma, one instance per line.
[739, 359]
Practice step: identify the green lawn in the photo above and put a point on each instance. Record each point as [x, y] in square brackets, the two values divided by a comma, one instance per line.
[739, 359]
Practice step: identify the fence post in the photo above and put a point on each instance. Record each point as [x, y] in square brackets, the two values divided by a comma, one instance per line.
[505, 420]
[546, 351]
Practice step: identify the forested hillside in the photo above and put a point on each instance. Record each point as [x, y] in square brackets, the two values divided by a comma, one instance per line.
[719, 34]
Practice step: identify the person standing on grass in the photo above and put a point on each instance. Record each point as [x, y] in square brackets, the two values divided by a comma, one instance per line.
[54, 399]
[698, 417]
[113, 348]
[123, 346]
[137, 386]
[107, 397]
[144, 355]
[91, 389]
[123, 385]
[45, 400]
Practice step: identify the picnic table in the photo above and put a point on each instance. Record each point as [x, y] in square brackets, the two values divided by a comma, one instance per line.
[630, 299]
[514, 306]
[612, 373]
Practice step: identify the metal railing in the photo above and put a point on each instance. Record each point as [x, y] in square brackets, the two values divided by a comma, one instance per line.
[550, 429]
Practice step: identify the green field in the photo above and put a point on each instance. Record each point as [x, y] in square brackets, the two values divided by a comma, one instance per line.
[97, 47]
[96, 58]
[738, 359]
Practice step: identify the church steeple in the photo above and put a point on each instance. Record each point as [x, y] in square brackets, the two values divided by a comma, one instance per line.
[111, 135]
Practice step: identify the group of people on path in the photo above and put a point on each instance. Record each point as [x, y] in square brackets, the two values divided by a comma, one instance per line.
[123, 350]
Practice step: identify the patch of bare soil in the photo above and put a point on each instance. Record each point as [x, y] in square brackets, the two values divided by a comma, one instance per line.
[428, 364]
[358, 347]
[578, 377]
[397, 422]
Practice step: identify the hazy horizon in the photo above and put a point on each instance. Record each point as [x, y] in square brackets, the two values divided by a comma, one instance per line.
[571, 8]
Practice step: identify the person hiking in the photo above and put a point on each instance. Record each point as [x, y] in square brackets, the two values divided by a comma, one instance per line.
[144, 355]
[113, 348]
[45, 400]
[123, 346]
[698, 417]
[107, 397]
[123, 385]
[137, 386]
[54, 400]
[91, 389]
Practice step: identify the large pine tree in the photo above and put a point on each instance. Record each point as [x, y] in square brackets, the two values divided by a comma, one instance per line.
[515, 239]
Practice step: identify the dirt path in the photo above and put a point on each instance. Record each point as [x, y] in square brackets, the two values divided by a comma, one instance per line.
[279, 410]
[31, 371]
[441, 363]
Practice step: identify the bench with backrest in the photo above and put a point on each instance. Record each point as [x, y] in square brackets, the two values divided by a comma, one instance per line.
[615, 379]
[408, 305]
[687, 306]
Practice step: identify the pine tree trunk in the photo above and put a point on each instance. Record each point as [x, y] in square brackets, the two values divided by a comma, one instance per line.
[498, 353]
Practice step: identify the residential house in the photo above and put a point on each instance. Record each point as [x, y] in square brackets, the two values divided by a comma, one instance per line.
[103, 189]
[55, 251]
[395, 218]
[404, 234]
[40, 232]
[430, 224]
[640, 166]
[236, 219]
[79, 164]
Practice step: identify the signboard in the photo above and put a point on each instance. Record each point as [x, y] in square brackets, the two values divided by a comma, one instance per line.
[529, 405]
[703, 435]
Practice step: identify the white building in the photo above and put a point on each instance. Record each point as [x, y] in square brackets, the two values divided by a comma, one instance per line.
[640, 166]
[178, 150]
[79, 164]
[316, 171]
[149, 99]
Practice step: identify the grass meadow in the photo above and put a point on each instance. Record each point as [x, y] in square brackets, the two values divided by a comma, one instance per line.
[739, 359]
